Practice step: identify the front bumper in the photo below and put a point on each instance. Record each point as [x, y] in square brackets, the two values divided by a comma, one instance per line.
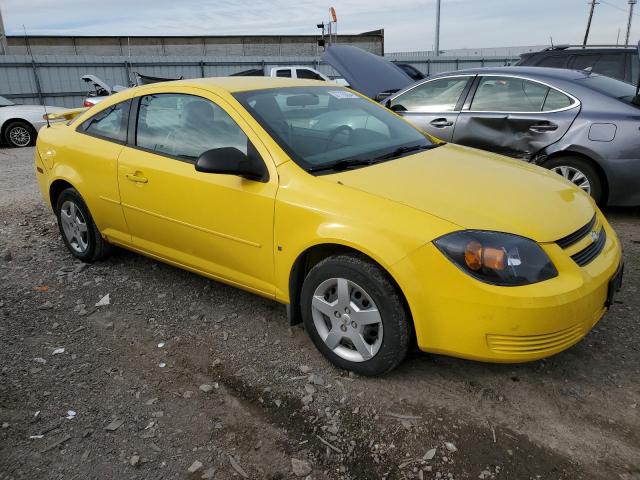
[457, 315]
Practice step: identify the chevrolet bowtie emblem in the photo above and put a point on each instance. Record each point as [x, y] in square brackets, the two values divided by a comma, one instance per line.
[594, 236]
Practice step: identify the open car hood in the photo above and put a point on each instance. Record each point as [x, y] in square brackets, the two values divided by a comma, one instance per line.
[97, 85]
[365, 72]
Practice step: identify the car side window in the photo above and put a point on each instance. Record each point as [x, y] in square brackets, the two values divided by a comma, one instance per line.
[439, 95]
[509, 94]
[284, 73]
[304, 73]
[553, 61]
[110, 123]
[635, 68]
[185, 126]
[556, 100]
[609, 64]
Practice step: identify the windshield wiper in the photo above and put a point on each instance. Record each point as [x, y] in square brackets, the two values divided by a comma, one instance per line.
[342, 165]
[404, 150]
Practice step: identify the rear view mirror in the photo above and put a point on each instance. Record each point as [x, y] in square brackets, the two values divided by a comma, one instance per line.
[303, 100]
[231, 161]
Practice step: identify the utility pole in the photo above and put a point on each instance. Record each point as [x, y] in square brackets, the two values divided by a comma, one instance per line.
[437, 28]
[3, 38]
[631, 4]
[586, 34]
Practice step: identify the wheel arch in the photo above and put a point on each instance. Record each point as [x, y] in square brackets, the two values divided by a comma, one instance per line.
[588, 158]
[9, 121]
[314, 254]
[56, 188]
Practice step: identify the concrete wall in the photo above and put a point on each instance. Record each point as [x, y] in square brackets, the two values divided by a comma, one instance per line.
[271, 45]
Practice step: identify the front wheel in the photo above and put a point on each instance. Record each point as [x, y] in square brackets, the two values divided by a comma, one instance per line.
[355, 315]
[579, 172]
[79, 232]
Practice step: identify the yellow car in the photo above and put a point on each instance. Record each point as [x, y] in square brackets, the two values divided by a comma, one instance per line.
[374, 235]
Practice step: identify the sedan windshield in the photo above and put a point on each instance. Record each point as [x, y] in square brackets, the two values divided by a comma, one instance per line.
[610, 86]
[5, 102]
[331, 128]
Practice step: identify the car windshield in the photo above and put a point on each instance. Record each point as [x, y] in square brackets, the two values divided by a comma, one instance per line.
[610, 86]
[331, 128]
[5, 102]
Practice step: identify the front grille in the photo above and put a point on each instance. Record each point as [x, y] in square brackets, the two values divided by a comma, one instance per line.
[535, 344]
[586, 255]
[576, 236]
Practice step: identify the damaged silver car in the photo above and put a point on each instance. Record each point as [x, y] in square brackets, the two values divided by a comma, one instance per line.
[581, 125]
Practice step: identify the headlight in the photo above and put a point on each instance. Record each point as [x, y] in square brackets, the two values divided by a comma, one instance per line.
[497, 258]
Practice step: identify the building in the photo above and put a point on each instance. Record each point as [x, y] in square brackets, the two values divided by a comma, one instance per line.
[201, 46]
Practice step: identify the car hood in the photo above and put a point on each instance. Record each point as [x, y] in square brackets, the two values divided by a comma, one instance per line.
[478, 190]
[365, 72]
[22, 110]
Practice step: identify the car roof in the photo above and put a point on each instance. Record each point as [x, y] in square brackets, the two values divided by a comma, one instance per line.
[239, 84]
[538, 72]
[574, 49]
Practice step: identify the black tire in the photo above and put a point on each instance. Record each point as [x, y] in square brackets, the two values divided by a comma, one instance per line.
[379, 286]
[584, 167]
[19, 134]
[97, 247]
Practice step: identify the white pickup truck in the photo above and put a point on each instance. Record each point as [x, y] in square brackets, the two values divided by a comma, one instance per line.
[291, 71]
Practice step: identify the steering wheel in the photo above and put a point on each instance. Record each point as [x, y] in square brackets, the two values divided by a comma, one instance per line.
[335, 132]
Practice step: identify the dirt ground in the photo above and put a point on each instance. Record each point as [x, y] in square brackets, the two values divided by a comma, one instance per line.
[179, 373]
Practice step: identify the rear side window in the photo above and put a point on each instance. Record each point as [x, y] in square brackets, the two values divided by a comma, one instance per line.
[509, 94]
[283, 72]
[609, 64]
[110, 123]
[439, 95]
[304, 73]
[556, 100]
[185, 126]
[553, 61]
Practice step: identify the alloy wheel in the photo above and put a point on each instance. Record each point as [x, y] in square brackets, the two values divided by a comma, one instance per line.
[575, 176]
[347, 319]
[74, 226]
[20, 136]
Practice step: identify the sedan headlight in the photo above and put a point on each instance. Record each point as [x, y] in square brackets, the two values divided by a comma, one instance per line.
[497, 258]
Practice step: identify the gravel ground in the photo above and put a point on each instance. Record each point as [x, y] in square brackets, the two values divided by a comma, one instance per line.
[182, 377]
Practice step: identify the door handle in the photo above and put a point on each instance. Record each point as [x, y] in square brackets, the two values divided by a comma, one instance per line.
[543, 127]
[441, 123]
[134, 177]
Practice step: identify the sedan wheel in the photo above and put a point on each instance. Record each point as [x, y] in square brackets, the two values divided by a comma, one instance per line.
[19, 134]
[347, 319]
[582, 173]
[575, 176]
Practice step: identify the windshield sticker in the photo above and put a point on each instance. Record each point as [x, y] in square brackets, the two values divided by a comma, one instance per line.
[341, 94]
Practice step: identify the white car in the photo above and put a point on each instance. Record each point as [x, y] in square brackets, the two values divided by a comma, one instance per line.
[19, 124]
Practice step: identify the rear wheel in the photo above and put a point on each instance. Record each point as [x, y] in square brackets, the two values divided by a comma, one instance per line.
[579, 172]
[79, 233]
[354, 315]
[19, 134]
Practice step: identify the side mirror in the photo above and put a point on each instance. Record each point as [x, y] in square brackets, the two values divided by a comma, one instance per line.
[398, 108]
[231, 161]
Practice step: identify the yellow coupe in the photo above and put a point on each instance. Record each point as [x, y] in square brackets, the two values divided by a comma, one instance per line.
[374, 234]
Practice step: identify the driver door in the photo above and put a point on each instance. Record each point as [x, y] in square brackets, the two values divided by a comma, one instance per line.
[220, 225]
[434, 105]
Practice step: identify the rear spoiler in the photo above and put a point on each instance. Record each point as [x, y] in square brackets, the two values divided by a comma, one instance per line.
[66, 115]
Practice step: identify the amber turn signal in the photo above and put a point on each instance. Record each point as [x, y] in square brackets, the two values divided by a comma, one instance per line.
[476, 257]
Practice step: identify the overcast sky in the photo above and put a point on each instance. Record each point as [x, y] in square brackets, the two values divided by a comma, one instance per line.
[408, 24]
